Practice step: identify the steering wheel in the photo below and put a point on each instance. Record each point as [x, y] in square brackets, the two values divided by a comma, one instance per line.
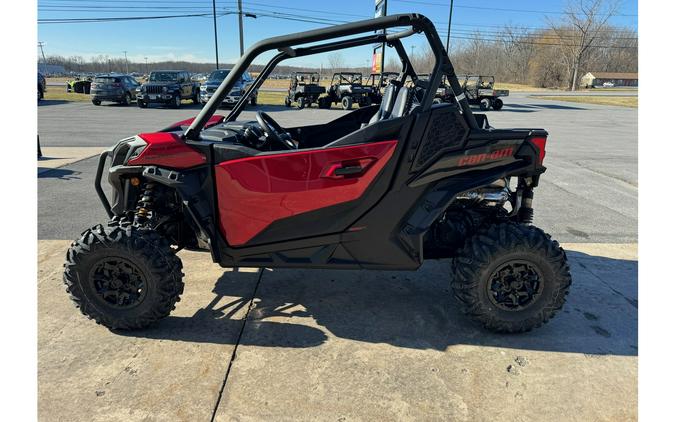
[274, 132]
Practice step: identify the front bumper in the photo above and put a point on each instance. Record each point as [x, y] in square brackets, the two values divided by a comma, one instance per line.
[204, 97]
[107, 95]
[164, 98]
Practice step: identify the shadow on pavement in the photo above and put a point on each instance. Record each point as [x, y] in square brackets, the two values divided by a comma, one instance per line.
[42, 103]
[408, 309]
[58, 173]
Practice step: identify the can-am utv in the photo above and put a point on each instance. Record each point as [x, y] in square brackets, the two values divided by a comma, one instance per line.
[304, 89]
[380, 188]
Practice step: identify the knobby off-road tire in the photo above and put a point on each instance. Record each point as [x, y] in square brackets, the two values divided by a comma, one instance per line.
[506, 261]
[140, 260]
[485, 104]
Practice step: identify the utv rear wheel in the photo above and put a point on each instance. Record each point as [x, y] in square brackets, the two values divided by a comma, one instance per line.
[96, 102]
[254, 100]
[347, 103]
[176, 101]
[287, 102]
[497, 104]
[485, 104]
[511, 278]
[123, 278]
[301, 102]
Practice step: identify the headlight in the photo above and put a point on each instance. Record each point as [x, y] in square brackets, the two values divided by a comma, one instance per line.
[164, 89]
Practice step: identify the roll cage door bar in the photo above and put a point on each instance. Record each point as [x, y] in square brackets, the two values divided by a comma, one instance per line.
[284, 44]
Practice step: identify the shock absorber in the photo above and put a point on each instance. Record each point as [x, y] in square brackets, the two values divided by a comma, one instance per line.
[526, 212]
[145, 204]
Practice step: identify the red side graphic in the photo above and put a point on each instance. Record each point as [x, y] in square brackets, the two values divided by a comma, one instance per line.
[167, 150]
[257, 191]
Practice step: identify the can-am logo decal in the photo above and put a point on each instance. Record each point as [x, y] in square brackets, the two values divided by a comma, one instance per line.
[470, 160]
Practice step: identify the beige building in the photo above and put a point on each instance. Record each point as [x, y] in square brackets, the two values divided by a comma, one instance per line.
[598, 79]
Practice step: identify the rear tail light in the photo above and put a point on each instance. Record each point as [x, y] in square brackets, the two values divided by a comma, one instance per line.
[540, 143]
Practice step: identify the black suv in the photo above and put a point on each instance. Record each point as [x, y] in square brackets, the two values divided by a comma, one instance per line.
[113, 87]
[240, 87]
[168, 87]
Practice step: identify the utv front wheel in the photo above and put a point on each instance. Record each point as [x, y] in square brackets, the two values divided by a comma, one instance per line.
[347, 103]
[511, 278]
[497, 104]
[123, 278]
[485, 104]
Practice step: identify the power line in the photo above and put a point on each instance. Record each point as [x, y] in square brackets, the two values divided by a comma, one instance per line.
[115, 19]
[488, 36]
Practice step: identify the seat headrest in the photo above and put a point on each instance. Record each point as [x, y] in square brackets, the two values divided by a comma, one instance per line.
[401, 104]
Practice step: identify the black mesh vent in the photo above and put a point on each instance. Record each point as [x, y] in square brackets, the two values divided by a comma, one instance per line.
[446, 131]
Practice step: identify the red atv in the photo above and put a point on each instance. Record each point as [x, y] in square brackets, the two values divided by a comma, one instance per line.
[381, 188]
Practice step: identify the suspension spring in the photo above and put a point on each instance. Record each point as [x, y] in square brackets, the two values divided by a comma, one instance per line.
[145, 204]
[526, 212]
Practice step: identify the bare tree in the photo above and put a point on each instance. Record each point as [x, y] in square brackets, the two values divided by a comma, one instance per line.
[336, 61]
[583, 23]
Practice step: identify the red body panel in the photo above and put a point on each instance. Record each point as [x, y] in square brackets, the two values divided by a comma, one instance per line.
[167, 149]
[214, 120]
[257, 191]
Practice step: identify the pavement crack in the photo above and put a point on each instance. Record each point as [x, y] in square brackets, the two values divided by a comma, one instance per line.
[631, 301]
[236, 346]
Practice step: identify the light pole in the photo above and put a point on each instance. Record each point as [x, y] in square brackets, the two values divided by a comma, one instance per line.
[241, 29]
[447, 39]
[215, 31]
[41, 44]
[126, 62]
[146, 65]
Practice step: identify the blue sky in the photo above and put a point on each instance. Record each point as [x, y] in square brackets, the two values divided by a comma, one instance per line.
[192, 38]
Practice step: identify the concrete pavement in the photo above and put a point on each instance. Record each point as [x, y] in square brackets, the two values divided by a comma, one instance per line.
[342, 345]
[55, 157]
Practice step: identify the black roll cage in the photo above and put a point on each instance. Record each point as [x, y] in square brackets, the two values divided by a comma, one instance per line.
[284, 44]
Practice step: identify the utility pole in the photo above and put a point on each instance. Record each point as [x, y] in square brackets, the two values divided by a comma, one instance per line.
[41, 44]
[215, 31]
[126, 62]
[447, 39]
[146, 65]
[241, 29]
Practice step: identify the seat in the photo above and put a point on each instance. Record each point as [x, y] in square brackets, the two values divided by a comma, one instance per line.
[387, 104]
[402, 103]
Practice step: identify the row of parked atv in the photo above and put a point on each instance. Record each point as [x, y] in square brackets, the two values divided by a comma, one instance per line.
[347, 89]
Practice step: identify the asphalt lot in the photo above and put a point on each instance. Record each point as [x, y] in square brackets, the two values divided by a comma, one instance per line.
[588, 194]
